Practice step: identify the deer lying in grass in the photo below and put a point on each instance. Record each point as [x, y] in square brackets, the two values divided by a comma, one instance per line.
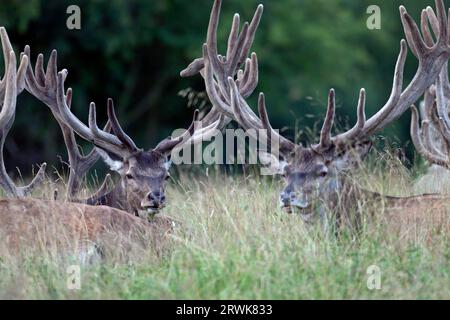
[317, 179]
[143, 173]
[71, 229]
[23, 220]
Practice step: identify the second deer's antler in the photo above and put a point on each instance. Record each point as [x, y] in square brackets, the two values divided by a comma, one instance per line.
[431, 55]
[10, 87]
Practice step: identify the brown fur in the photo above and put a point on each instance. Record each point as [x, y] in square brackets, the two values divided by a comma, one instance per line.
[40, 224]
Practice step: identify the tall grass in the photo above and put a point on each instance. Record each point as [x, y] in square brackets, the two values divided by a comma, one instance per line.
[232, 242]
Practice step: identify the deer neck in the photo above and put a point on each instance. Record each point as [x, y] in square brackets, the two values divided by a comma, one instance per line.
[116, 198]
[341, 191]
[119, 197]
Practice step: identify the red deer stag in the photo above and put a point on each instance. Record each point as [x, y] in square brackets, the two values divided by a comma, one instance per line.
[32, 222]
[143, 173]
[316, 176]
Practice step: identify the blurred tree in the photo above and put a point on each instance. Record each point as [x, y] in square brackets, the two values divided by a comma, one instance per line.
[133, 51]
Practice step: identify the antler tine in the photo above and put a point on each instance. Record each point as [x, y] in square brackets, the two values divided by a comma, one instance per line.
[52, 70]
[446, 82]
[429, 104]
[234, 34]
[361, 122]
[433, 20]
[433, 129]
[104, 139]
[254, 24]
[167, 145]
[325, 134]
[117, 129]
[37, 180]
[6, 45]
[39, 70]
[442, 20]
[10, 96]
[286, 146]
[212, 35]
[233, 61]
[428, 38]
[430, 139]
[205, 133]
[413, 37]
[20, 75]
[193, 68]
[441, 107]
[103, 189]
[418, 143]
[442, 103]
[242, 112]
[434, 139]
[239, 116]
[251, 77]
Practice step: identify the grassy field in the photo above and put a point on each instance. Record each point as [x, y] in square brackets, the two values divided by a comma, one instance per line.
[232, 242]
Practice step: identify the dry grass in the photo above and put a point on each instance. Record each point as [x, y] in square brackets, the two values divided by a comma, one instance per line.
[233, 243]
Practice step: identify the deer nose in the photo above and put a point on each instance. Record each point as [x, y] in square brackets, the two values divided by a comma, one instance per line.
[286, 198]
[157, 198]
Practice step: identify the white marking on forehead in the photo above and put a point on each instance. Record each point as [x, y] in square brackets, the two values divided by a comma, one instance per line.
[115, 165]
[167, 165]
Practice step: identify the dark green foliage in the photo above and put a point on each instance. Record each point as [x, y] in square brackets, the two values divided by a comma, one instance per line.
[133, 51]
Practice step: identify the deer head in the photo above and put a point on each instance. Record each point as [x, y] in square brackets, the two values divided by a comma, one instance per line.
[313, 173]
[143, 172]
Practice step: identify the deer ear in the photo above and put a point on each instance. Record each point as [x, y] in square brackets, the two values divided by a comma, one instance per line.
[167, 164]
[114, 162]
[350, 157]
[272, 165]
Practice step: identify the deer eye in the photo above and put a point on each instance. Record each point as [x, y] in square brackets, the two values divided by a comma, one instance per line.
[323, 174]
[167, 177]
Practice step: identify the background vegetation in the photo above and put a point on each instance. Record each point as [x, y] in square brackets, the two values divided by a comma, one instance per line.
[133, 51]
